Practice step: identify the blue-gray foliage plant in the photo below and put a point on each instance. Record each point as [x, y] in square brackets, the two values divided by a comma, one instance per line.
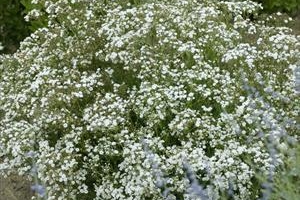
[86, 90]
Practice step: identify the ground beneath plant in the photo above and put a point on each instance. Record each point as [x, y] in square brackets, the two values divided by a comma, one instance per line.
[15, 188]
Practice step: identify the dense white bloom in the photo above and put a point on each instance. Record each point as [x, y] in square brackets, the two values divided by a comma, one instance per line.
[114, 98]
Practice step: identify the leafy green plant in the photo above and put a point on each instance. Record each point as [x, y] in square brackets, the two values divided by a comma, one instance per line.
[287, 180]
[283, 182]
[13, 27]
[289, 6]
[36, 15]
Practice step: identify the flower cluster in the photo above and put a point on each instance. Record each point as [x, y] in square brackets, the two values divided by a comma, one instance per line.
[126, 99]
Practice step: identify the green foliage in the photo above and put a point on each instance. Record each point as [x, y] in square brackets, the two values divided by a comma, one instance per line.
[283, 183]
[35, 22]
[289, 6]
[287, 181]
[13, 27]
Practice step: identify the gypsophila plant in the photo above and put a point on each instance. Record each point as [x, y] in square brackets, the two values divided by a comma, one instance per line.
[169, 99]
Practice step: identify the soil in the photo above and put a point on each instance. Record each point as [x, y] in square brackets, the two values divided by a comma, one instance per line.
[15, 188]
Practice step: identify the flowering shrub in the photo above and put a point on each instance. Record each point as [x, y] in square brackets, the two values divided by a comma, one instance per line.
[141, 99]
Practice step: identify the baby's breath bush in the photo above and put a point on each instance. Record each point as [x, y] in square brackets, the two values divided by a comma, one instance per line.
[138, 99]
